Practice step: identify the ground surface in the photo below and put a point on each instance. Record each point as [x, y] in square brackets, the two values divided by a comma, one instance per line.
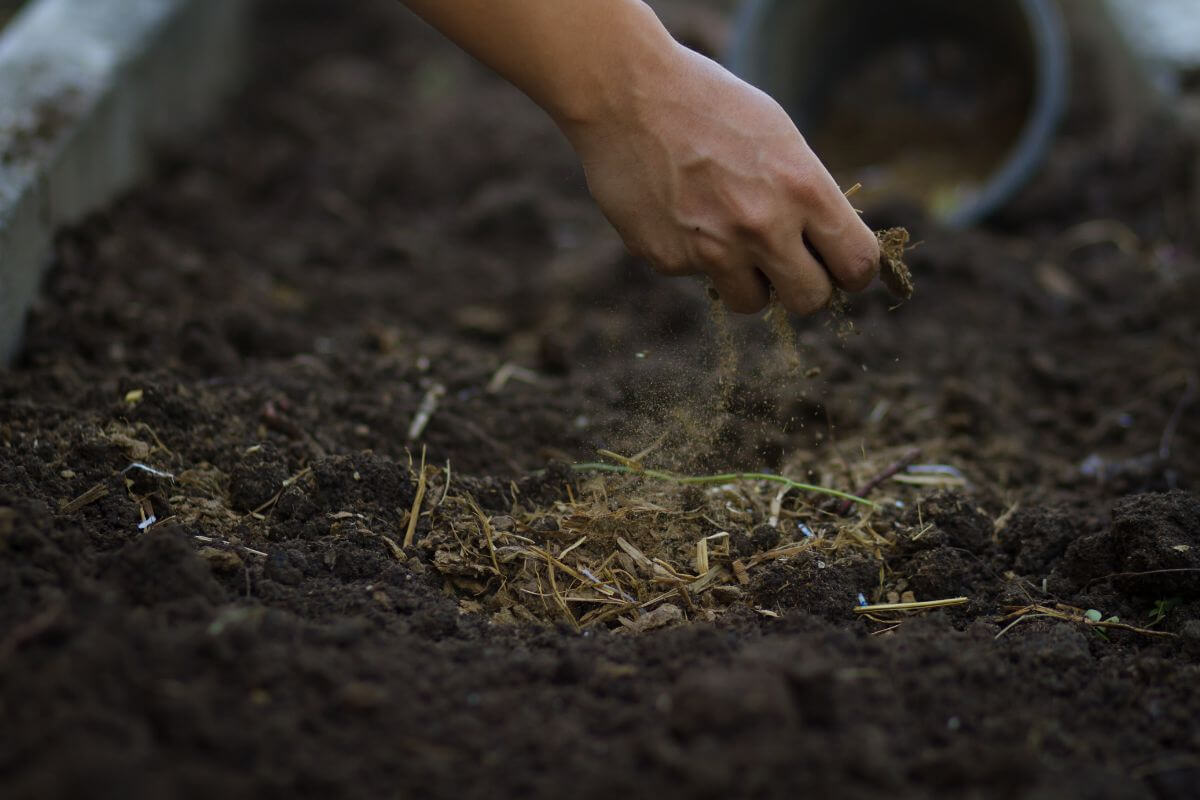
[379, 222]
[8, 8]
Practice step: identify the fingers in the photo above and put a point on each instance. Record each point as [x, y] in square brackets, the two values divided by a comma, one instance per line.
[846, 246]
[802, 284]
[745, 291]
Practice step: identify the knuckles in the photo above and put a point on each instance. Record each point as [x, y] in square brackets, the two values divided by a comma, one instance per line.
[756, 219]
[711, 253]
[809, 302]
[859, 267]
[800, 187]
[746, 305]
[673, 266]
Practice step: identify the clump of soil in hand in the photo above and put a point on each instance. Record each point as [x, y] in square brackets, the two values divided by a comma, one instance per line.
[894, 273]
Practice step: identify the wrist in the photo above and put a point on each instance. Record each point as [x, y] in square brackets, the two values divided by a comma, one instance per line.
[613, 74]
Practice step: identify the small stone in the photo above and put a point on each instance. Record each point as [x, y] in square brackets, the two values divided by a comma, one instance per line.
[727, 594]
[545, 525]
[661, 617]
[382, 599]
[220, 559]
[363, 695]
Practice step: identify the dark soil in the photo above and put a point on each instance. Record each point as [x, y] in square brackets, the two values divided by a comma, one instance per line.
[9, 9]
[378, 220]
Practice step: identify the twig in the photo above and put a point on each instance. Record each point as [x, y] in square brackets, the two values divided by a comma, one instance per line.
[702, 565]
[638, 457]
[90, 496]
[630, 463]
[604, 588]
[891, 469]
[275, 497]
[229, 545]
[917, 606]
[486, 527]
[1076, 616]
[1087, 585]
[777, 507]
[158, 473]
[394, 548]
[578, 542]
[558, 598]
[425, 410]
[414, 514]
[446, 489]
[637, 555]
[549, 558]
[507, 371]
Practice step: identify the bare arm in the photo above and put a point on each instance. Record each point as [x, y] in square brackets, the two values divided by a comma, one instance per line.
[698, 171]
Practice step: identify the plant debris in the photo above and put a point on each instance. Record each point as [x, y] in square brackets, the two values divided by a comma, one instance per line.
[892, 270]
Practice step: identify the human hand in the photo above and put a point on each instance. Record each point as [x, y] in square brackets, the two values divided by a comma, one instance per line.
[701, 173]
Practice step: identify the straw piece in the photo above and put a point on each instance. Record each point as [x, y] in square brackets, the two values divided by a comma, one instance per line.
[90, 496]
[414, 514]
[702, 556]
[637, 555]
[486, 526]
[918, 606]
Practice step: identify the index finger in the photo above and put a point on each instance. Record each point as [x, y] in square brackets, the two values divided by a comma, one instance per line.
[844, 243]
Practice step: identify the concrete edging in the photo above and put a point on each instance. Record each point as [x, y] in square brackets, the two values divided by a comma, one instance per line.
[86, 87]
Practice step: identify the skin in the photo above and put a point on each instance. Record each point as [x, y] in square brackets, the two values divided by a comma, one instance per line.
[698, 171]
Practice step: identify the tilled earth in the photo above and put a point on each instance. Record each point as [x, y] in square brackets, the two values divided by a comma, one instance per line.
[224, 570]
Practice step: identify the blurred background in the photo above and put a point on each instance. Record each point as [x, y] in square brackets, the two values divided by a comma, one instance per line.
[952, 108]
[8, 8]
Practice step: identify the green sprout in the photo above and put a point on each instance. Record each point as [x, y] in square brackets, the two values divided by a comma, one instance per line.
[1093, 615]
[1161, 609]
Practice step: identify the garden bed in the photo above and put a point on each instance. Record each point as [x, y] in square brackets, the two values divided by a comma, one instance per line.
[290, 499]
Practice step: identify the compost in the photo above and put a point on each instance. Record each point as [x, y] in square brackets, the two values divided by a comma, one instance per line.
[292, 504]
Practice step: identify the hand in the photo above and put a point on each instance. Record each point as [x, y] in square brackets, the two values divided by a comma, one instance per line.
[700, 172]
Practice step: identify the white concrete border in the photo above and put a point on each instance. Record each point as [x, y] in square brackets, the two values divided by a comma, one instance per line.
[86, 87]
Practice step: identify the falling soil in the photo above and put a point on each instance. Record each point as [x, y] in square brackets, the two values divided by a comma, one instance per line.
[292, 499]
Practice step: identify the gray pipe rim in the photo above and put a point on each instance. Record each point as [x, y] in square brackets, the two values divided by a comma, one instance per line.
[1051, 89]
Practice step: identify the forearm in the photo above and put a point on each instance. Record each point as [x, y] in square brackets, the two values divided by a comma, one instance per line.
[575, 58]
[695, 169]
